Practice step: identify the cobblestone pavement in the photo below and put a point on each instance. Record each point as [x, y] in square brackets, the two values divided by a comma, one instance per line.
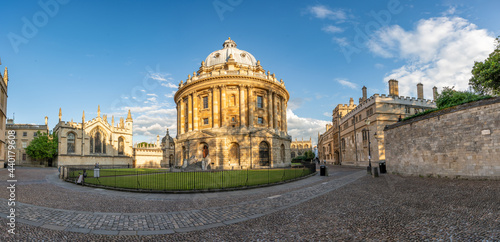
[351, 206]
[164, 223]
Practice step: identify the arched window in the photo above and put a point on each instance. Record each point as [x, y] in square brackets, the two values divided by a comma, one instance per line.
[264, 153]
[282, 151]
[97, 143]
[71, 143]
[204, 150]
[293, 154]
[234, 154]
[121, 146]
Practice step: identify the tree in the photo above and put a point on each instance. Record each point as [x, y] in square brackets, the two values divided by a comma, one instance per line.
[42, 147]
[486, 75]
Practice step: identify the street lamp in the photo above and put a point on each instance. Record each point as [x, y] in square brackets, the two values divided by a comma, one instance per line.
[369, 168]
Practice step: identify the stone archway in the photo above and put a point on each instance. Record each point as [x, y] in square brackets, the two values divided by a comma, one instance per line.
[264, 157]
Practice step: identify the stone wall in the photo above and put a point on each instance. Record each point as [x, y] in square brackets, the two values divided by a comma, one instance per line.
[462, 141]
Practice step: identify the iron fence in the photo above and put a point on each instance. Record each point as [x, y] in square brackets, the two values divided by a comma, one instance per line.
[165, 180]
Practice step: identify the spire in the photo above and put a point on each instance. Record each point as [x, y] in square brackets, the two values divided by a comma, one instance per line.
[83, 117]
[46, 120]
[60, 114]
[129, 116]
[98, 111]
[167, 132]
[112, 120]
[6, 76]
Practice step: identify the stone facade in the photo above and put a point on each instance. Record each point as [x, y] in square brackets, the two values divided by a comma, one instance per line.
[231, 114]
[361, 127]
[24, 134]
[95, 141]
[157, 155]
[4, 80]
[463, 141]
[298, 147]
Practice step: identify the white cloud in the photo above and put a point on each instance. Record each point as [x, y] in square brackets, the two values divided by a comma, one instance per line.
[322, 12]
[170, 95]
[450, 11]
[299, 127]
[169, 85]
[152, 94]
[438, 52]
[159, 76]
[341, 41]
[332, 29]
[379, 66]
[295, 103]
[347, 84]
[327, 114]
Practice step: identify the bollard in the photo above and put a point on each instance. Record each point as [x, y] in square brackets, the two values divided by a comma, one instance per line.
[375, 172]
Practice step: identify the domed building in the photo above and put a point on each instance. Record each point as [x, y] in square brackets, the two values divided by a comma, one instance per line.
[231, 114]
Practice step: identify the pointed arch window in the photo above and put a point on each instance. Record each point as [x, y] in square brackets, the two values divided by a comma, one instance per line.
[71, 143]
[121, 146]
[97, 142]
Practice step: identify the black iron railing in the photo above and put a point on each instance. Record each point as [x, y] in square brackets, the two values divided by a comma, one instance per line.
[165, 180]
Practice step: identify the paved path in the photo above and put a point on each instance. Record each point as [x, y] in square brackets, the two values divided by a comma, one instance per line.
[172, 222]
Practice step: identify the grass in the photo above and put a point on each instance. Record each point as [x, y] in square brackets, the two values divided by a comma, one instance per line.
[162, 179]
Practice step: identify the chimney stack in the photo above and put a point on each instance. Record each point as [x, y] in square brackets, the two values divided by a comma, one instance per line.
[435, 92]
[393, 88]
[364, 93]
[420, 91]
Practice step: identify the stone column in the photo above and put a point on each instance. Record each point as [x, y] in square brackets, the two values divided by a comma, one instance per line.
[190, 112]
[195, 111]
[178, 117]
[223, 106]
[275, 111]
[270, 108]
[251, 107]
[242, 106]
[183, 116]
[284, 114]
[215, 107]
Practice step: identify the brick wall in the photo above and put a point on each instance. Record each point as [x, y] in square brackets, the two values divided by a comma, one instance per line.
[462, 141]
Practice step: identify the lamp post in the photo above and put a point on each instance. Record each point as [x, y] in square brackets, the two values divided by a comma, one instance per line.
[369, 168]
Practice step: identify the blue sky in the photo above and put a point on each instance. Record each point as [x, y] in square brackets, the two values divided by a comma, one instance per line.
[131, 55]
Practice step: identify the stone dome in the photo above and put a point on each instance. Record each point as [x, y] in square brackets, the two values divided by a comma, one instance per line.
[222, 56]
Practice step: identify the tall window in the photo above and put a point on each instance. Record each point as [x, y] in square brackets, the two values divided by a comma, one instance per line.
[260, 104]
[282, 149]
[260, 120]
[71, 143]
[205, 121]
[25, 134]
[121, 146]
[232, 100]
[24, 157]
[98, 143]
[234, 153]
[205, 151]
[205, 102]
[264, 154]
[25, 144]
[35, 134]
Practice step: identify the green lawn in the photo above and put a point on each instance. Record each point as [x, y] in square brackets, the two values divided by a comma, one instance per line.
[162, 179]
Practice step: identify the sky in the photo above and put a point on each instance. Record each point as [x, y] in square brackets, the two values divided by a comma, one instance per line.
[121, 55]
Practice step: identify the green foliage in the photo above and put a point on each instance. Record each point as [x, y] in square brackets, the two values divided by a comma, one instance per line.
[309, 155]
[450, 97]
[300, 157]
[42, 147]
[486, 75]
